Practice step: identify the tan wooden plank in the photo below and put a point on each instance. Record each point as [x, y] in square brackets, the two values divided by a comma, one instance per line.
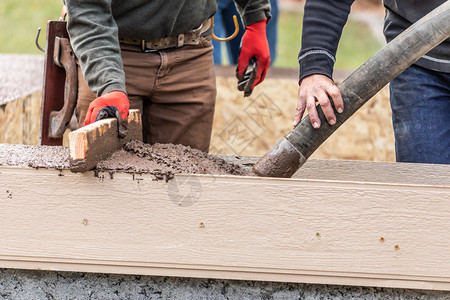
[20, 119]
[97, 141]
[362, 171]
[299, 230]
[369, 171]
[196, 272]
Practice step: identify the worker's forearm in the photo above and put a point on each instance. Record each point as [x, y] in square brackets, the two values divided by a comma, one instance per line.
[93, 34]
[323, 22]
[253, 11]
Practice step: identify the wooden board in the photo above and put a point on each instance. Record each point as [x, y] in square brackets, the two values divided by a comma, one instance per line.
[97, 141]
[361, 171]
[329, 231]
[20, 120]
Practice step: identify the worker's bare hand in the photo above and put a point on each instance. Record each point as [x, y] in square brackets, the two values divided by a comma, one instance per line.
[318, 88]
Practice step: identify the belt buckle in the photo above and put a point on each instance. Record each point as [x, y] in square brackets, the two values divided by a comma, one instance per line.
[180, 40]
[145, 49]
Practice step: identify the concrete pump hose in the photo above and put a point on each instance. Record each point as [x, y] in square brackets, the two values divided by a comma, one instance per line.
[292, 151]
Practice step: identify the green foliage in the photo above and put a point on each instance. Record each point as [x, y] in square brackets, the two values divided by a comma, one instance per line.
[356, 45]
[289, 38]
[19, 21]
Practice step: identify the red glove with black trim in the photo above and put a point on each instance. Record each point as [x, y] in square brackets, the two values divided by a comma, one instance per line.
[255, 47]
[111, 105]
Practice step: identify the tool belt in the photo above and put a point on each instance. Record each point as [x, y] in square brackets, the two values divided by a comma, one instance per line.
[189, 38]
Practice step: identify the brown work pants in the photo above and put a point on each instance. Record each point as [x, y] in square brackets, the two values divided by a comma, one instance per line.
[175, 89]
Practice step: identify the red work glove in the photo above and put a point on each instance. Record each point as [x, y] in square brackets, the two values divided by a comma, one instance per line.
[254, 46]
[111, 105]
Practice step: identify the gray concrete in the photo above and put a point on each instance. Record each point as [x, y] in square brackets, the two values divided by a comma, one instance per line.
[20, 76]
[23, 284]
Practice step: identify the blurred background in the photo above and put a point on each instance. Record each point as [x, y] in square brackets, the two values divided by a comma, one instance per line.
[19, 21]
[242, 126]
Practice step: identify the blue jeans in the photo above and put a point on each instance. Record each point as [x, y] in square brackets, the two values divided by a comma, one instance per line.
[420, 102]
[224, 27]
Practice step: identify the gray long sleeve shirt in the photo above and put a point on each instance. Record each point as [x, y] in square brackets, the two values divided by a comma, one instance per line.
[322, 27]
[94, 27]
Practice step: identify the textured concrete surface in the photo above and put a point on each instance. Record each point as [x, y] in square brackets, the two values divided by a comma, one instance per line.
[136, 157]
[49, 157]
[22, 284]
[20, 75]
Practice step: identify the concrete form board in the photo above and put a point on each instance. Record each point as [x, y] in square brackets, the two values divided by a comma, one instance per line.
[229, 227]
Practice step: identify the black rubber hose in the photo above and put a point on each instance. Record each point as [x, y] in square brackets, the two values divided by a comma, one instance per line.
[292, 151]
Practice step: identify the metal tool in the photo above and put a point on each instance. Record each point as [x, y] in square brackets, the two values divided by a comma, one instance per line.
[236, 30]
[64, 57]
[60, 84]
[246, 80]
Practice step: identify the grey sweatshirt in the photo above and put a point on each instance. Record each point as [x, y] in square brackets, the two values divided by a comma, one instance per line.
[94, 27]
[322, 27]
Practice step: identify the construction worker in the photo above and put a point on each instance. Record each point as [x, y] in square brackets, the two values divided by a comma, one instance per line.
[156, 56]
[420, 96]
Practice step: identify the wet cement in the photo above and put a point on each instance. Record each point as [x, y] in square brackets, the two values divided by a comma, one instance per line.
[135, 157]
[167, 159]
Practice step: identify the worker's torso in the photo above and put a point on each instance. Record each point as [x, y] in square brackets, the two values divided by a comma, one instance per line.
[400, 14]
[143, 19]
